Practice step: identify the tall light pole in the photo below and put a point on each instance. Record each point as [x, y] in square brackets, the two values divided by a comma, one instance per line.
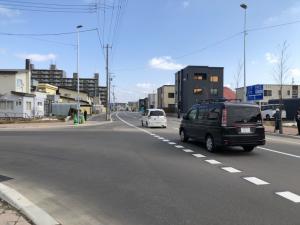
[244, 6]
[78, 85]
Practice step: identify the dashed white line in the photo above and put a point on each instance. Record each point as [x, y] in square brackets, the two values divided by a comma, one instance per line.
[282, 153]
[256, 180]
[187, 150]
[231, 170]
[213, 162]
[166, 140]
[290, 196]
[178, 146]
[171, 143]
[161, 138]
[199, 155]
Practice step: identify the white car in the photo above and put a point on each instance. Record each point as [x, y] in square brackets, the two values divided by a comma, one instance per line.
[268, 111]
[154, 118]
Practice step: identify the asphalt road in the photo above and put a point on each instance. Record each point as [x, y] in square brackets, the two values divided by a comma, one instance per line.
[120, 173]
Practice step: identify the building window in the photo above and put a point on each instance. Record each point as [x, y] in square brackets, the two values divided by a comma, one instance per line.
[40, 104]
[198, 91]
[6, 105]
[214, 79]
[28, 105]
[200, 76]
[214, 91]
[171, 95]
[267, 92]
[288, 92]
[279, 92]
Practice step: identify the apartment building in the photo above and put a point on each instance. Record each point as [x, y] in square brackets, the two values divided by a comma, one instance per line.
[166, 98]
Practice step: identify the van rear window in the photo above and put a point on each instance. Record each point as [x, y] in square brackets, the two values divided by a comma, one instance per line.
[243, 114]
[157, 113]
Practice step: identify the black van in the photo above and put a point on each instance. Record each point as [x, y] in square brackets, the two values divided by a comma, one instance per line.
[224, 123]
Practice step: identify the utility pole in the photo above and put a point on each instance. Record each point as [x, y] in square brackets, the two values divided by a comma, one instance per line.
[244, 6]
[114, 97]
[107, 86]
[78, 84]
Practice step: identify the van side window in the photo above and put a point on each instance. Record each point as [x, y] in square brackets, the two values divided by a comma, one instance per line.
[214, 113]
[202, 113]
[192, 114]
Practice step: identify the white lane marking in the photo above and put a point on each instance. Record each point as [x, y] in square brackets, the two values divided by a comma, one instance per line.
[161, 138]
[166, 140]
[278, 152]
[187, 150]
[291, 142]
[171, 143]
[131, 125]
[153, 134]
[290, 196]
[255, 180]
[199, 155]
[213, 162]
[178, 146]
[231, 170]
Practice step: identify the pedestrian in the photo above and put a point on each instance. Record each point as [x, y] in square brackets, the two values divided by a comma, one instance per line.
[85, 115]
[277, 121]
[297, 118]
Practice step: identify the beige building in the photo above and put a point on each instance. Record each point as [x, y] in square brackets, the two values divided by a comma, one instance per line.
[15, 80]
[47, 88]
[272, 91]
[166, 98]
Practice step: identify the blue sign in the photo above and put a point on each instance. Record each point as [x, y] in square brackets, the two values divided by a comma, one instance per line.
[255, 92]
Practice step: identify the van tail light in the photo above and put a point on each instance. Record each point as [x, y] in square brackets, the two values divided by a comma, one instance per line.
[224, 118]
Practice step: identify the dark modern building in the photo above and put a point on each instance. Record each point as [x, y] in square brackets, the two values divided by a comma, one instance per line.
[196, 83]
[56, 77]
[103, 95]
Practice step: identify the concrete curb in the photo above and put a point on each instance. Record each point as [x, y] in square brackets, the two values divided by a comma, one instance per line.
[283, 135]
[30, 210]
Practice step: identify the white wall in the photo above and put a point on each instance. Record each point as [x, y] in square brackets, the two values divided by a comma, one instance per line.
[7, 83]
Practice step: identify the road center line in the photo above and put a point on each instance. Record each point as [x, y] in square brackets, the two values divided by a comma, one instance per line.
[231, 170]
[171, 143]
[187, 150]
[255, 180]
[290, 196]
[199, 155]
[278, 152]
[213, 162]
[178, 146]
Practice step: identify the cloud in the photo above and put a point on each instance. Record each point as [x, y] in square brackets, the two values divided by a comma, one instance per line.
[38, 57]
[289, 13]
[185, 4]
[164, 63]
[271, 58]
[295, 72]
[143, 85]
[9, 13]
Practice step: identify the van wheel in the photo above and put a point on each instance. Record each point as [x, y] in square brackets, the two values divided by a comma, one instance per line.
[268, 117]
[183, 137]
[142, 123]
[248, 148]
[210, 144]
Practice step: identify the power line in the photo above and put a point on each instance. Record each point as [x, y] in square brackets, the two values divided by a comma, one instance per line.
[46, 34]
[50, 11]
[42, 3]
[273, 26]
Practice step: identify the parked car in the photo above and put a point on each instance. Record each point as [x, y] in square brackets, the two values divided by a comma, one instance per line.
[220, 124]
[268, 111]
[154, 118]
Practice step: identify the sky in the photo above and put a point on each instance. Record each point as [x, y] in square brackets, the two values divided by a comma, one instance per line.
[154, 39]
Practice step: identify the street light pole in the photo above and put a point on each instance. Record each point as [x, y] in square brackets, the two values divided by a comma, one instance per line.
[244, 6]
[78, 85]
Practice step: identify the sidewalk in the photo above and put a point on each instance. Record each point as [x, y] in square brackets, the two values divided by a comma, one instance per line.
[289, 131]
[92, 121]
[10, 216]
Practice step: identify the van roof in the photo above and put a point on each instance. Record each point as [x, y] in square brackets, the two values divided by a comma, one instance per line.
[228, 104]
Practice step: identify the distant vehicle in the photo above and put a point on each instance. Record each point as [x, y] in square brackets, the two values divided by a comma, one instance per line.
[154, 118]
[219, 124]
[268, 111]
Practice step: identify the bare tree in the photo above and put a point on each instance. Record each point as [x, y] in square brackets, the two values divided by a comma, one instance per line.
[237, 77]
[281, 73]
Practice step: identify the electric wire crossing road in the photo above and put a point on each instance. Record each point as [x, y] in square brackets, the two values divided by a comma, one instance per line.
[295, 198]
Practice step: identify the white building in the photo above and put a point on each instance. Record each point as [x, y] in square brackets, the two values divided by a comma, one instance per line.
[272, 91]
[152, 101]
[16, 99]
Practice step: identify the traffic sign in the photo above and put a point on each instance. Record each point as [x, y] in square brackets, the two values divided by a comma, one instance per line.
[255, 92]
